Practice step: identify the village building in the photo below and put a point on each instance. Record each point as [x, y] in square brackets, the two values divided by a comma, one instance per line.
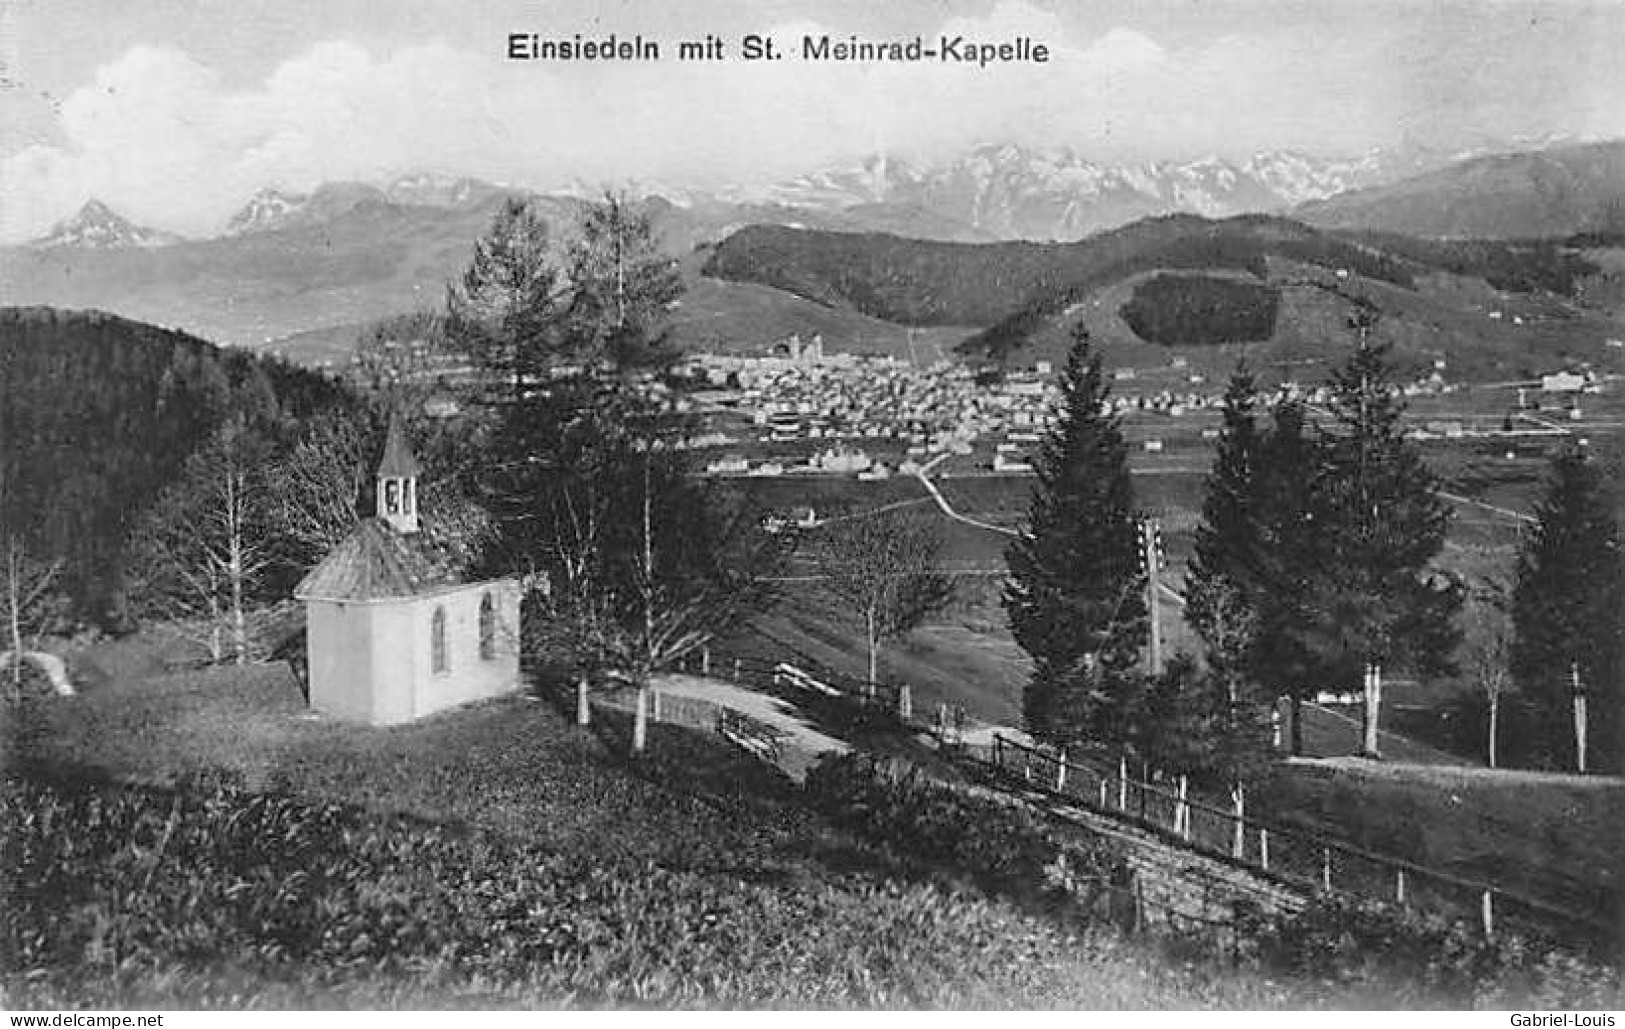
[393, 633]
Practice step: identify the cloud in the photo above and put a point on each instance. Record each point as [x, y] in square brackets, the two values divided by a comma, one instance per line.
[170, 142]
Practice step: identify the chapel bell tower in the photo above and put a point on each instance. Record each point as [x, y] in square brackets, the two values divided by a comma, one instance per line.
[398, 482]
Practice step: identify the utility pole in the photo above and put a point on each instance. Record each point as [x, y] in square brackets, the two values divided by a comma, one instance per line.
[1152, 557]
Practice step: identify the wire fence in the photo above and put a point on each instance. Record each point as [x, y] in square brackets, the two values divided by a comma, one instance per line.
[1301, 859]
[1308, 861]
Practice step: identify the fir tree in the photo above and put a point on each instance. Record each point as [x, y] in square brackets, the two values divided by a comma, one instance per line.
[1179, 718]
[1224, 592]
[642, 565]
[621, 287]
[1075, 595]
[1380, 524]
[1224, 567]
[1279, 659]
[1566, 613]
[507, 312]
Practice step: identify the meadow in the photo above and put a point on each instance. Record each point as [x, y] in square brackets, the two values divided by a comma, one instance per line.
[201, 841]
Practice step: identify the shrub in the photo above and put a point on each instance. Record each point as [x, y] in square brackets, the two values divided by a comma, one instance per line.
[1347, 940]
[1005, 849]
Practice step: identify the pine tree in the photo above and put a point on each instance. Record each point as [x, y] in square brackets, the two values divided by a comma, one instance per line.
[1289, 545]
[1566, 612]
[1075, 595]
[1223, 580]
[1374, 599]
[621, 287]
[642, 564]
[1180, 717]
[507, 311]
[1224, 592]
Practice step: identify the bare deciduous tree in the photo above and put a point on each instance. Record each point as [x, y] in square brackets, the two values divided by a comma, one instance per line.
[884, 569]
[28, 589]
[199, 555]
[319, 490]
[1489, 619]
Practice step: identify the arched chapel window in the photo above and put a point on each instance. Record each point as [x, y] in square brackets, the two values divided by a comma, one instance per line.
[439, 659]
[488, 628]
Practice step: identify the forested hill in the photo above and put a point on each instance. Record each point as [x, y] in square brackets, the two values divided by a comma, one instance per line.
[920, 282]
[98, 415]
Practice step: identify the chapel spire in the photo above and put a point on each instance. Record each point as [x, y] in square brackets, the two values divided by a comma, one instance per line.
[398, 481]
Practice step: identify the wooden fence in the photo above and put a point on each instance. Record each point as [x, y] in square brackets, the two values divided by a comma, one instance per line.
[804, 678]
[1296, 857]
[1292, 856]
[750, 734]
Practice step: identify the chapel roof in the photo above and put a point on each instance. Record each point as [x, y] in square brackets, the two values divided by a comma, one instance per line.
[375, 562]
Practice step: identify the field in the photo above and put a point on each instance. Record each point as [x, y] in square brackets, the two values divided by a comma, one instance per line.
[497, 856]
[1549, 837]
[967, 657]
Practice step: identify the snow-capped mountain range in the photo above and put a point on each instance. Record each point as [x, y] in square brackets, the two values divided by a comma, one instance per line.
[272, 208]
[991, 192]
[98, 226]
[1016, 193]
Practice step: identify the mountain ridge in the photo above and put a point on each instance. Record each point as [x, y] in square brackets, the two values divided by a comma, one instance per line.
[989, 192]
[1559, 191]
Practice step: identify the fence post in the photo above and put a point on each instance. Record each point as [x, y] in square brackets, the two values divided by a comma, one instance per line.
[654, 705]
[1122, 784]
[1238, 839]
[1326, 868]
[640, 720]
[1489, 914]
[1264, 849]
[905, 702]
[705, 661]
[1060, 773]
[1399, 886]
[736, 669]
[583, 709]
[1102, 793]
[1139, 904]
[1184, 808]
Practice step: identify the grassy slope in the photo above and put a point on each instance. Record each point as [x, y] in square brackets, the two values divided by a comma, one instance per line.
[1549, 837]
[692, 880]
[713, 317]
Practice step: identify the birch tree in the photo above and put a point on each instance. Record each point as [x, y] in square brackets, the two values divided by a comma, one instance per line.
[323, 486]
[29, 590]
[1489, 615]
[201, 553]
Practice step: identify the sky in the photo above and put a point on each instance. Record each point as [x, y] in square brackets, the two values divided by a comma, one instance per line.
[174, 112]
